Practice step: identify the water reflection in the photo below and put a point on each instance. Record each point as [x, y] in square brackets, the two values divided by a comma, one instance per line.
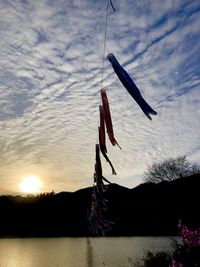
[76, 252]
[89, 256]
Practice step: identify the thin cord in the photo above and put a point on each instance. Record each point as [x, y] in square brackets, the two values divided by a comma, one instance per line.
[112, 5]
[104, 44]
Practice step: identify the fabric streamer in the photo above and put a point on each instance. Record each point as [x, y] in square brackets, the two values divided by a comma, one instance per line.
[130, 86]
[102, 139]
[108, 119]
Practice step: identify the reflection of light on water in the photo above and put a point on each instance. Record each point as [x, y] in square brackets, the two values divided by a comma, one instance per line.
[88, 253]
[78, 252]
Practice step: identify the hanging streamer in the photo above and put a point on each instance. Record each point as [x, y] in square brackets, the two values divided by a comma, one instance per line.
[108, 119]
[102, 139]
[102, 135]
[130, 86]
[98, 172]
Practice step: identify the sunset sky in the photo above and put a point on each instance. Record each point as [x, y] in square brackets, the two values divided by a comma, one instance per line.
[51, 60]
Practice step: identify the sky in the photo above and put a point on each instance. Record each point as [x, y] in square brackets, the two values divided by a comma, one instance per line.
[51, 55]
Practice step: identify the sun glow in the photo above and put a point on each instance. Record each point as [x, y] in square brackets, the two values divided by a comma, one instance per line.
[30, 184]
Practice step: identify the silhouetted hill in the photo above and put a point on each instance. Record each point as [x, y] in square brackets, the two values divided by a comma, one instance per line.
[148, 209]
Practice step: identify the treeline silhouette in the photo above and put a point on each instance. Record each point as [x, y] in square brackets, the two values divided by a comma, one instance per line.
[148, 209]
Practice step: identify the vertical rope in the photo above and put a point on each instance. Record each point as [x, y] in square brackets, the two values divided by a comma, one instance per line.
[104, 44]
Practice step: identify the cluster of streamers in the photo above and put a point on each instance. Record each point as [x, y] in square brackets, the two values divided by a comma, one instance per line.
[98, 224]
[131, 87]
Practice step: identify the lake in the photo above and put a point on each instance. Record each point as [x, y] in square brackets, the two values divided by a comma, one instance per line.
[77, 252]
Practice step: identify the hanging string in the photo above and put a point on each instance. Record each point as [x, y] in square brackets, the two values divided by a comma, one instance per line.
[105, 38]
[112, 5]
[104, 44]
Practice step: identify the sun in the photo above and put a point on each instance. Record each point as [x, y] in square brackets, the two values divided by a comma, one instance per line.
[31, 184]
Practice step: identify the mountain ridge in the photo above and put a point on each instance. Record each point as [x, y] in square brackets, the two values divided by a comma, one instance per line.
[147, 209]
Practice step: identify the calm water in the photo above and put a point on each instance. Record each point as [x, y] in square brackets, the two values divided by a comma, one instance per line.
[76, 252]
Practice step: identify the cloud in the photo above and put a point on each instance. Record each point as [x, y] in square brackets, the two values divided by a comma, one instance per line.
[51, 58]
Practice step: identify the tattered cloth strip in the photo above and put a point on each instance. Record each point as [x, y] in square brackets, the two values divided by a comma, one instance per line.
[107, 116]
[98, 224]
[130, 86]
[102, 138]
